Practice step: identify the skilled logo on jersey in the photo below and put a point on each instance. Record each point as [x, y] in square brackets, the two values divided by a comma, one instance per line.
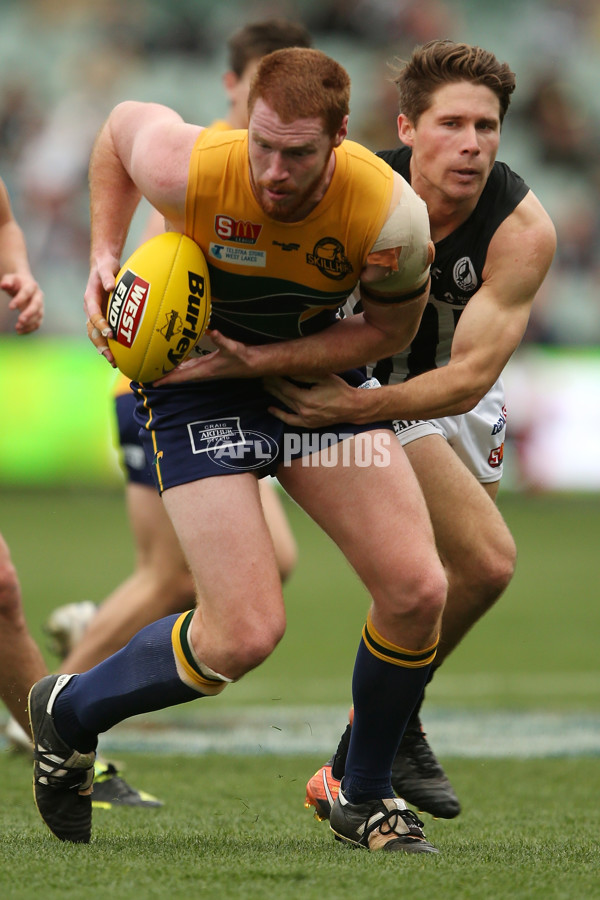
[236, 230]
[329, 257]
[127, 305]
[286, 246]
[464, 274]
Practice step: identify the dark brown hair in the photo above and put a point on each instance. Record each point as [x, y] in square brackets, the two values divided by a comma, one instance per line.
[303, 84]
[443, 62]
[255, 40]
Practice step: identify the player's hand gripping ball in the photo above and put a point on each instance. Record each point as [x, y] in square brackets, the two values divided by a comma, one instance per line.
[160, 306]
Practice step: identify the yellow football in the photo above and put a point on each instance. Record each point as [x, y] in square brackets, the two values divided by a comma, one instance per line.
[160, 306]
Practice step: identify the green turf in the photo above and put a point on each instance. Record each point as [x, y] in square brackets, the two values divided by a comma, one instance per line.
[537, 648]
[237, 829]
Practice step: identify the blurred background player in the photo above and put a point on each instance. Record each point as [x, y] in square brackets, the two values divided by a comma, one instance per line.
[161, 582]
[21, 662]
[494, 244]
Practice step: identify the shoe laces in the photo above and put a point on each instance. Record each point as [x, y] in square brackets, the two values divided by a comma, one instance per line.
[59, 772]
[388, 823]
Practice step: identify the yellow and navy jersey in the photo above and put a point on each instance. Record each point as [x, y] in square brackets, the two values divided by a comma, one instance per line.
[122, 383]
[272, 280]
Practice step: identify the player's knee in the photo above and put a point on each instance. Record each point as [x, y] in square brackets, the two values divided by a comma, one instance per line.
[420, 599]
[253, 646]
[262, 642]
[428, 597]
[489, 571]
[501, 568]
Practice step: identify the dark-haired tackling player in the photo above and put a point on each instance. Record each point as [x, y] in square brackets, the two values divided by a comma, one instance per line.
[494, 244]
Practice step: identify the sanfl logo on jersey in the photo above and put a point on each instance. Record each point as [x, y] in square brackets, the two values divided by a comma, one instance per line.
[237, 230]
[464, 274]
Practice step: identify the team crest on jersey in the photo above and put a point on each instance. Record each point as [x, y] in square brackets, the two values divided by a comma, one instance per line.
[330, 258]
[464, 274]
[236, 230]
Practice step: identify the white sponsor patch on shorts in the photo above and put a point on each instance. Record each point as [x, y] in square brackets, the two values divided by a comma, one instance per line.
[208, 434]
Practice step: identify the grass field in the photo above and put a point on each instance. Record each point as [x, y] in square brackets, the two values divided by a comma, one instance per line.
[234, 825]
[234, 828]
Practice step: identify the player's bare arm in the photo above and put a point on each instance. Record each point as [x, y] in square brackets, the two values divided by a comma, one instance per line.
[142, 149]
[15, 275]
[490, 329]
[377, 331]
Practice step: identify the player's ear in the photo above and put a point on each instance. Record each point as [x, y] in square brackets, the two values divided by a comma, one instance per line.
[230, 81]
[342, 133]
[405, 130]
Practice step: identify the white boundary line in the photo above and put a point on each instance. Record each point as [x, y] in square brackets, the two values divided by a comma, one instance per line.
[316, 730]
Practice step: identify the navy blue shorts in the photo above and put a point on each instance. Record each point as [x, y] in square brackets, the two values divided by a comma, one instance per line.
[202, 429]
[133, 458]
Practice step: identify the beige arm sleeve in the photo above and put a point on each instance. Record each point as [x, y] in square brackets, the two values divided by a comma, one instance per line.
[404, 245]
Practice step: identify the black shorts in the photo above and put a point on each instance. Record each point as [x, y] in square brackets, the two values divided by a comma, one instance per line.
[133, 458]
[202, 429]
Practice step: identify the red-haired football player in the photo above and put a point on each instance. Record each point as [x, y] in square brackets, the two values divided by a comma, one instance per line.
[326, 215]
[161, 582]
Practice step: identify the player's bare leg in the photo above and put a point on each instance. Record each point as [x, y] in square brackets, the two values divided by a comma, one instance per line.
[240, 615]
[160, 584]
[284, 542]
[21, 661]
[478, 553]
[238, 621]
[473, 540]
[378, 517]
